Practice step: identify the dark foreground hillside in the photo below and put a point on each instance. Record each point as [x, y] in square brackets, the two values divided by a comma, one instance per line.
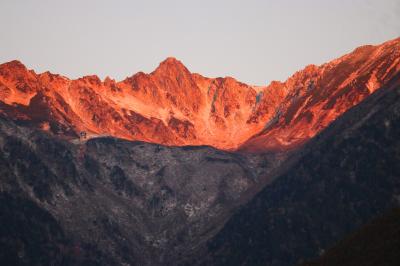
[375, 244]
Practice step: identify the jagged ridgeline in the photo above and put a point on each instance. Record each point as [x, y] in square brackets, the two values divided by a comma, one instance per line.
[172, 106]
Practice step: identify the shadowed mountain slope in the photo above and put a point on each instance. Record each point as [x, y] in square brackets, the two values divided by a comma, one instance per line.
[139, 203]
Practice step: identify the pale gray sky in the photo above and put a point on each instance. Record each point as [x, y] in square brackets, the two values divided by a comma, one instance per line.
[255, 41]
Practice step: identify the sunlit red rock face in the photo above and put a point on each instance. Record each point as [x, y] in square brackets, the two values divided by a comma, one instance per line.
[317, 95]
[170, 105]
[175, 107]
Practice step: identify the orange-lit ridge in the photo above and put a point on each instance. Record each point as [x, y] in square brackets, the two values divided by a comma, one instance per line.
[173, 106]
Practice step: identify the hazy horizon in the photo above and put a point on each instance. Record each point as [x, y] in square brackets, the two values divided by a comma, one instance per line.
[254, 42]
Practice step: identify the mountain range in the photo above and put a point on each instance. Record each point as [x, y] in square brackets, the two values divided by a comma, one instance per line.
[174, 168]
[172, 106]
